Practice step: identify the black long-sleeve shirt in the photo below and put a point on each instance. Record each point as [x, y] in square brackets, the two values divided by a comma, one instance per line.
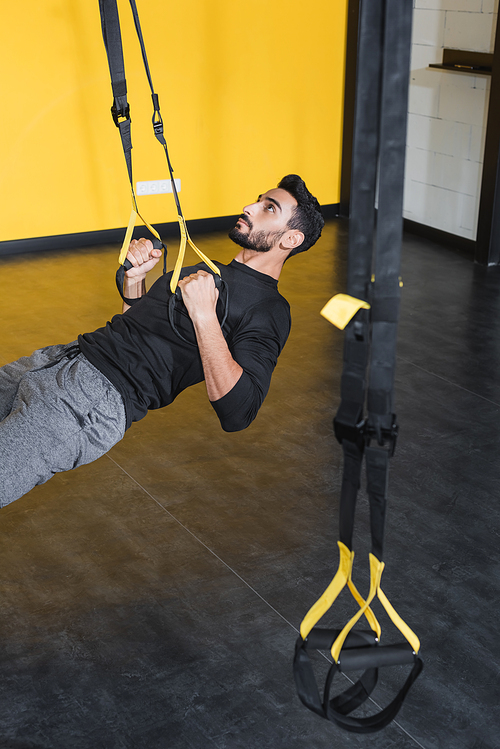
[149, 363]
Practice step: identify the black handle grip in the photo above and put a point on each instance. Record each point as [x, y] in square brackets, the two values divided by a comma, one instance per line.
[323, 639]
[359, 659]
[157, 245]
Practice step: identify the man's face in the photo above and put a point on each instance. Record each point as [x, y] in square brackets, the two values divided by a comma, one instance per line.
[263, 223]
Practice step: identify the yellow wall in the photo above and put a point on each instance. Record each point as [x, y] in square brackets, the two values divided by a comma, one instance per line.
[249, 92]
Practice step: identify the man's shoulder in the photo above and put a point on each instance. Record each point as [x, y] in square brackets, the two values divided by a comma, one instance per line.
[242, 274]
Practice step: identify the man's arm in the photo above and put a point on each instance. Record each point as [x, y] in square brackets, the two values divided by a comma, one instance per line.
[143, 258]
[221, 371]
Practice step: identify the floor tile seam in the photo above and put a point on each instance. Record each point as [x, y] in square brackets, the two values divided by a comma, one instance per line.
[202, 543]
[242, 579]
[450, 382]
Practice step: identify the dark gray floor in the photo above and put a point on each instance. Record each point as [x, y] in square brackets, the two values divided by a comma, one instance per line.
[152, 599]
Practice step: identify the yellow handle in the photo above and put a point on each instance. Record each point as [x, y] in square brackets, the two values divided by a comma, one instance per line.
[342, 578]
[375, 573]
[405, 630]
[186, 239]
[326, 600]
[128, 234]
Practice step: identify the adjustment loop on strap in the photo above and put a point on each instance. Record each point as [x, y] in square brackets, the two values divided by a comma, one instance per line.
[341, 309]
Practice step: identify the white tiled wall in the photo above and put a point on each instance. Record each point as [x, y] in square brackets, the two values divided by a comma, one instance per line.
[447, 115]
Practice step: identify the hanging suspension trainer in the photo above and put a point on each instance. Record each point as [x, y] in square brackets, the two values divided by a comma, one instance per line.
[120, 111]
[369, 313]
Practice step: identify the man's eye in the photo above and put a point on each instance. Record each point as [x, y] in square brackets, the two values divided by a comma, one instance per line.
[270, 207]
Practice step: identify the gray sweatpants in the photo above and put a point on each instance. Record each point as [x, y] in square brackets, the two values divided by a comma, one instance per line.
[57, 412]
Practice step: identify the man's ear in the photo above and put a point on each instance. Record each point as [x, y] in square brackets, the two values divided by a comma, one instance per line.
[292, 239]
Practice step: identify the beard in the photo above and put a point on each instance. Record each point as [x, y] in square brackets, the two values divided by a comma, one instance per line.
[259, 241]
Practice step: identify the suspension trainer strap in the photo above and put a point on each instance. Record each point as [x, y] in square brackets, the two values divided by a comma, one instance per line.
[349, 421]
[111, 33]
[368, 372]
[120, 110]
[158, 131]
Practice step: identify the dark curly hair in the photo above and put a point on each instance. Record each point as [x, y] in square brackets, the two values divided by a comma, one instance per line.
[306, 217]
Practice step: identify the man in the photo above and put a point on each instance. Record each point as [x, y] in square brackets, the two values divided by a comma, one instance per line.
[67, 405]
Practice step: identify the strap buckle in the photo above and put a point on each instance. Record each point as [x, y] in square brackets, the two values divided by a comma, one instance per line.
[158, 130]
[158, 126]
[389, 435]
[157, 119]
[362, 433]
[124, 114]
[350, 432]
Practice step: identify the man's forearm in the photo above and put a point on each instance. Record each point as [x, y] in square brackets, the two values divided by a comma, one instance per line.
[221, 371]
[200, 297]
[133, 288]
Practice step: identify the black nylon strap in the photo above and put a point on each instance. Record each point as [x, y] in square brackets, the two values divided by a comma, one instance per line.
[338, 708]
[361, 219]
[112, 40]
[157, 118]
[377, 477]
[395, 83]
[111, 33]
[353, 697]
[353, 460]
[138, 29]
[381, 719]
[365, 151]
[305, 680]
[385, 309]
[370, 341]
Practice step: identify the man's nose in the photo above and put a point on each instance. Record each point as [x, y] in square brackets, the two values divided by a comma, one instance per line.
[249, 209]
